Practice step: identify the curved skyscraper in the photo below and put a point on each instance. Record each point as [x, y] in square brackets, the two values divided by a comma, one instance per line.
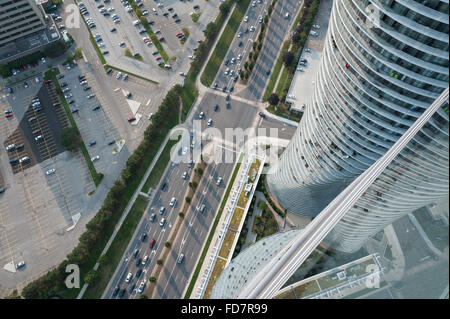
[384, 62]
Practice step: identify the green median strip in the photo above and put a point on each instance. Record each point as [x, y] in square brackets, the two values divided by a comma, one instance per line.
[211, 233]
[109, 262]
[160, 165]
[96, 177]
[107, 66]
[273, 79]
[224, 42]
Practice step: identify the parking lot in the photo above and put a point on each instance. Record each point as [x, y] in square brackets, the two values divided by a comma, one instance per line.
[113, 34]
[43, 193]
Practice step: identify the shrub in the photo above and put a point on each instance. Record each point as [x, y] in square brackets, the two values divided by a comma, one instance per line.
[273, 99]
[70, 138]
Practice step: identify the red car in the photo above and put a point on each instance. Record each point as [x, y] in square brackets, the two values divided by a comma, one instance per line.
[161, 39]
[158, 58]
[8, 114]
[48, 82]
[179, 33]
[199, 41]
[152, 243]
[131, 119]
[57, 104]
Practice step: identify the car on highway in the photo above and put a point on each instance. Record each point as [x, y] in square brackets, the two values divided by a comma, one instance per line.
[143, 236]
[122, 293]
[202, 208]
[162, 222]
[180, 258]
[316, 26]
[115, 291]
[201, 115]
[246, 19]
[144, 260]
[141, 286]
[185, 175]
[228, 105]
[128, 278]
[95, 158]
[172, 202]
[219, 181]
[210, 122]
[313, 33]
[138, 263]
[152, 217]
[152, 243]
[162, 209]
[135, 253]
[113, 30]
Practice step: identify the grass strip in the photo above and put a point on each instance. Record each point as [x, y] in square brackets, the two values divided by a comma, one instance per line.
[94, 44]
[282, 81]
[51, 75]
[111, 259]
[211, 234]
[224, 42]
[160, 165]
[273, 79]
[106, 67]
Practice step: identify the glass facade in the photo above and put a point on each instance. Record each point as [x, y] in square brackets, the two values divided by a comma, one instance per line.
[374, 80]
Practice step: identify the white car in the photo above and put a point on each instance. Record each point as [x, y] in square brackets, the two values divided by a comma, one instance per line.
[181, 73]
[121, 44]
[300, 69]
[239, 34]
[24, 159]
[95, 158]
[180, 258]
[162, 222]
[252, 28]
[141, 287]
[254, 4]
[313, 33]
[68, 95]
[125, 77]
[172, 202]
[316, 26]
[50, 171]
[201, 115]
[150, 116]
[20, 265]
[191, 57]
[184, 175]
[118, 75]
[37, 138]
[144, 261]
[210, 122]
[246, 19]
[10, 147]
[219, 180]
[90, 96]
[127, 280]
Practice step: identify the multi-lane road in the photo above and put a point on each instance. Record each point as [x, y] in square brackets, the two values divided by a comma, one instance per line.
[194, 229]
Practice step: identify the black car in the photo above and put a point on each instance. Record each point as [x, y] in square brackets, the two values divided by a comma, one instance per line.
[163, 186]
[228, 105]
[138, 262]
[132, 288]
[81, 77]
[267, 72]
[236, 78]
[151, 22]
[216, 107]
[227, 62]
[95, 108]
[19, 147]
[60, 76]
[108, 71]
[143, 236]
[135, 253]
[231, 89]
[155, 53]
[111, 142]
[64, 84]
[113, 30]
[224, 89]
[87, 88]
[228, 97]
[177, 21]
[262, 114]
[165, 14]
[240, 43]
[2, 190]
[14, 161]
[116, 291]
[138, 273]
[70, 101]
[196, 7]
[170, 9]
[122, 292]
[175, 15]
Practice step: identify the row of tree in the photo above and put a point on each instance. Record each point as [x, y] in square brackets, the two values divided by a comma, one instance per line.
[100, 227]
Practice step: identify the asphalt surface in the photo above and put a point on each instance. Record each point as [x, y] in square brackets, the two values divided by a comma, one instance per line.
[247, 38]
[195, 225]
[277, 30]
